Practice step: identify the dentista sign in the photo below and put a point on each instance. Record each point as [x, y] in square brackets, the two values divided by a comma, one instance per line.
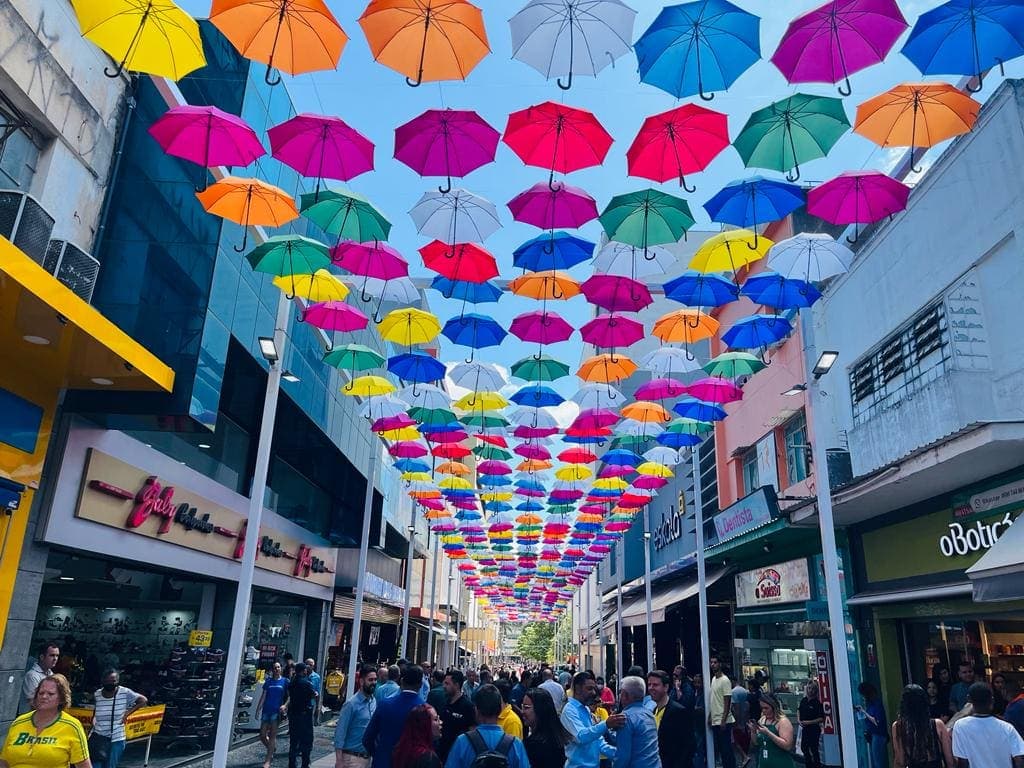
[963, 539]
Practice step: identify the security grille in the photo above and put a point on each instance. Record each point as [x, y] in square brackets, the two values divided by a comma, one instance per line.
[73, 267]
[25, 223]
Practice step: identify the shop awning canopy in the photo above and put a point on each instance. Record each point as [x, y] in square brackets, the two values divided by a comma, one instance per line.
[634, 613]
[922, 594]
[438, 630]
[999, 574]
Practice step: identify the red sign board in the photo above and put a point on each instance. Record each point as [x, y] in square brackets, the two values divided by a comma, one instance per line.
[825, 692]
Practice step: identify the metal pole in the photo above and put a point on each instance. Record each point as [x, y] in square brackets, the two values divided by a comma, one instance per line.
[433, 603]
[364, 547]
[410, 554]
[590, 623]
[619, 648]
[647, 586]
[243, 596]
[833, 589]
[600, 632]
[459, 623]
[448, 608]
[702, 600]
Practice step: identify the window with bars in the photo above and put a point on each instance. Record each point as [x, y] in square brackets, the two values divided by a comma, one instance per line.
[19, 147]
[751, 480]
[913, 356]
[797, 452]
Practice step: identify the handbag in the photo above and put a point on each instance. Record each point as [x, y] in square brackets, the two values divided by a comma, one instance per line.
[99, 745]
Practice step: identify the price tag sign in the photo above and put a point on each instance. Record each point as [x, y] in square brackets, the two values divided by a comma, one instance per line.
[200, 638]
[143, 722]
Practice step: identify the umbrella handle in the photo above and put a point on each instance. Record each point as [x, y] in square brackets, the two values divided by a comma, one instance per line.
[553, 185]
[377, 318]
[414, 83]
[268, 79]
[300, 317]
[794, 174]
[856, 232]
[245, 240]
[913, 150]
[364, 296]
[763, 356]
[567, 85]
[704, 96]
[612, 395]
[696, 323]
[845, 89]
[446, 188]
[686, 187]
[556, 293]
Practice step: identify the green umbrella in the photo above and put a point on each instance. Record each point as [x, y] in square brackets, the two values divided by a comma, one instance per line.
[428, 416]
[541, 368]
[489, 452]
[346, 215]
[628, 441]
[732, 365]
[689, 427]
[287, 255]
[354, 357]
[792, 131]
[484, 420]
[644, 218]
[561, 509]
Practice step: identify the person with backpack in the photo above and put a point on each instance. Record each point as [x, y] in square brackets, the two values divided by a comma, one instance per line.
[488, 746]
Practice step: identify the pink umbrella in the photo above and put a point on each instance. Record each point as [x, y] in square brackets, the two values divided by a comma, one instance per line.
[541, 327]
[446, 142]
[595, 418]
[378, 260]
[649, 482]
[492, 467]
[389, 423]
[612, 331]
[407, 449]
[335, 316]
[321, 147]
[431, 504]
[615, 470]
[528, 433]
[715, 390]
[616, 293]
[445, 437]
[550, 207]
[660, 389]
[857, 197]
[206, 135]
[531, 451]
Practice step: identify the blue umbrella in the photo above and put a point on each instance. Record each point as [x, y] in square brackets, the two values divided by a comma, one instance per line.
[440, 428]
[774, 290]
[678, 439]
[497, 506]
[966, 37]
[558, 250]
[529, 485]
[411, 465]
[755, 332]
[473, 330]
[692, 408]
[697, 289]
[474, 293]
[695, 48]
[537, 396]
[530, 506]
[417, 367]
[622, 458]
[493, 481]
[753, 201]
[583, 439]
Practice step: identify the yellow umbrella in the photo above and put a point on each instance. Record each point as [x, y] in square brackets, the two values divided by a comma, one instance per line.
[402, 433]
[368, 386]
[409, 326]
[653, 469]
[410, 477]
[456, 484]
[481, 401]
[496, 496]
[453, 468]
[156, 37]
[611, 484]
[574, 472]
[320, 286]
[685, 326]
[728, 251]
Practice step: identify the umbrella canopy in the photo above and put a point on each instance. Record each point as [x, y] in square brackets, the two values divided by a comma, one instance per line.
[715, 390]
[409, 326]
[757, 331]
[699, 289]
[416, 366]
[857, 197]
[475, 331]
[680, 141]
[157, 38]
[368, 386]
[669, 361]
[568, 37]
[321, 147]
[248, 202]
[811, 257]
[606, 368]
[477, 376]
[754, 201]
[732, 365]
[482, 401]
[831, 42]
[612, 331]
[660, 389]
[557, 137]
[616, 293]
[537, 396]
[398, 290]
[455, 217]
[289, 255]
[320, 286]
[544, 286]
[295, 36]
[554, 250]
[645, 411]
[539, 368]
[461, 261]
[697, 411]
[207, 136]
[426, 41]
[463, 290]
[335, 315]
[354, 357]
[685, 326]
[792, 131]
[778, 292]
[428, 398]
[729, 251]
[377, 260]
[695, 48]
[627, 260]
[346, 215]
[446, 142]
[541, 327]
[648, 217]
[548, 206]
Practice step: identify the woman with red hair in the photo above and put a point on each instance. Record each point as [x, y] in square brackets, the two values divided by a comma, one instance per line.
[415, 747]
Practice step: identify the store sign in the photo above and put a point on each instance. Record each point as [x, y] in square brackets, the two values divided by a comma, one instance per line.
[824, 676]
[382, 589]
[1003, 497]
[960, 540]
[122, 496]
[748, 513]
[669, 529]
[783, 583]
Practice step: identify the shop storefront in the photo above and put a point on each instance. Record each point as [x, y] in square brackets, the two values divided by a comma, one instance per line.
[140, 575]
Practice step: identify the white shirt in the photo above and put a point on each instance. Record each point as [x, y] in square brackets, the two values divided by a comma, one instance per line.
[114, 707]
[557, 693]
[986, 742]
[33, 677]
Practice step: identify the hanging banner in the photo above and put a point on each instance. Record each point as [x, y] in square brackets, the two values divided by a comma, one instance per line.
[787, 582]
[824, 676]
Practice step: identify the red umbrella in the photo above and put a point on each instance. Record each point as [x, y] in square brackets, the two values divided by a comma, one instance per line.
[446, 142]
[557, 137]
[616, 293]
[612, 331]
[578, 456]
[497, 440]
[451, 451]
[550, 207]
[462, 261]
[674, 143]
[321, 147]
[586, 431]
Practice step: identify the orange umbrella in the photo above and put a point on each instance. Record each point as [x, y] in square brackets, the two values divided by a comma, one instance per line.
[453, 468]
[686, 326]
[436, 514]
[545, 285]
[916, 115]
[533, 465]
[643, 410]
[248, 202]
[606, 368]
[295, 36]
[426, 39]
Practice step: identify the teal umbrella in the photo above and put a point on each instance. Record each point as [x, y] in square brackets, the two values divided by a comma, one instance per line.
[732, 365]
[792, 131]
[287, 255]
[644, 218]
[540, 368]
[346, 215]
[354, 357]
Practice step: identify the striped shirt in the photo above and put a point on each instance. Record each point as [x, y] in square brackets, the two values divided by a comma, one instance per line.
[115, 707]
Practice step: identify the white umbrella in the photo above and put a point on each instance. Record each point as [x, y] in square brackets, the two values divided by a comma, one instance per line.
[662, 454]
[425, 396]
[455, 217]
[666, 361]
[634, 428]
[811, 257]
[398, 290]
[477, 377]
[630, 261]
[384, 407]
[533, 417]
[597, 396]
[571, 37]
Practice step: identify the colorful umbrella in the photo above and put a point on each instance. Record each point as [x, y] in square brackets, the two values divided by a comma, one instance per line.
[548, 207]
[729, 251]
[715, 390]
[399, 290]
[810, 256]
[321, 147]
[792, 131]
[296, 36]
[539, 368]
[466, 291]
[409, 326]
[207, 136]
[686, 326]
[557, 137]
[282, 255]
[462, 261]
[335, 315]
[612, 331]
[697, 411]
[660, 389]
[446, 142]
[455, 217]
[756, 331]
[616, 293]
[674, 143]
[474, 331]
[481, 400]
[354, 357]
[606, 368]
[857, 197]
[622, 259]
[754, 201]
[695, 48]
[554, 250]
[645, 411]
[318, 287]
[732, 365]
[346, 215]
[377, 260]
[541, 328]
[544, 286]
[426, 40]
[571, 37]
[249, 202]
[916, 115]
[830, 43]
[157, 38]
[536, 396]
[416, 367]
[778, 292]
[647, 217]
[368, 386]
[699, 289]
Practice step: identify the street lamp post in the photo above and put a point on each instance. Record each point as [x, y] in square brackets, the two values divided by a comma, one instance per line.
[590, 622]
[600, 633]
[448, 610]
[619, 648]
[647, 586]
[702, 599]
[411, 552]
[433, 604]
[364, 548]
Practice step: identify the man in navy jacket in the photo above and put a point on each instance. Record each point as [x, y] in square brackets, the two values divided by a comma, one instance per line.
[388, 720]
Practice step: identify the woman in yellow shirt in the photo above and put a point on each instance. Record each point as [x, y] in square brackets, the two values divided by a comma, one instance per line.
[46, 737]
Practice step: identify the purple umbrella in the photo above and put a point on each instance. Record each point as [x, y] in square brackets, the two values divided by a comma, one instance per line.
[446, 142]
[335, 316]
[321, 147]
[830, 43]
[612, 331]
[550, 208]
[616, 293]
[660, 389]
[857, 197]
[370, 260]
[541, 327]
[207, 136]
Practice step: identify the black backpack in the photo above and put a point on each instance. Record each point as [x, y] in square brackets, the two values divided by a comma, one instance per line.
[487, 757]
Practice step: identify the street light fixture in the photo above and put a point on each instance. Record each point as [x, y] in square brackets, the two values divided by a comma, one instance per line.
[825, 362]
[796, 389]
[268, 348]
[290, 377]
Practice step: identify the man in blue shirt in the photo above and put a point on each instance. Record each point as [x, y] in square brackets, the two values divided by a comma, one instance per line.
[636, 744]
[425, 688]
[389, 686]
[471, 685]
[488, 735]
[316, 681]
[270, 708]
[587, 743]
[352, 722]
[388, 720]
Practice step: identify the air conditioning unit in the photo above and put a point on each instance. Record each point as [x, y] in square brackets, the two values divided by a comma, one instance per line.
[840, 467]
[73, 267]
[25, 223]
